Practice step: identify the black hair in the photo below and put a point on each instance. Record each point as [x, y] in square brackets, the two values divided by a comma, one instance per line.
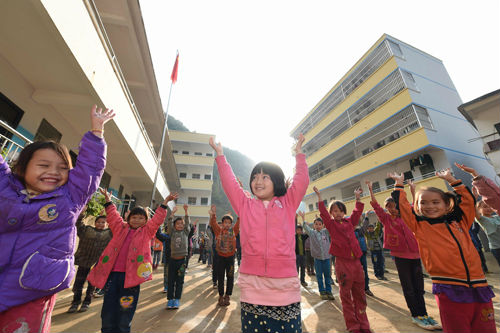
[340, 205]
[19, 168]
[138, 210]
[318, 219]
[299, 227]
[276, 174]
[176, 219]
[100, 217]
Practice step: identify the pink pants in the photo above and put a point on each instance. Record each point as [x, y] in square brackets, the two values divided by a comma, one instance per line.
[33, 316]
[351, 279]
[465, 317]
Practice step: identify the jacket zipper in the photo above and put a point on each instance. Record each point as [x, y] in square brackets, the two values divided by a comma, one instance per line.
[267, 230]
[461, 254]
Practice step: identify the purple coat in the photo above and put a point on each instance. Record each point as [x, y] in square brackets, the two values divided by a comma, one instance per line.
[37, 235]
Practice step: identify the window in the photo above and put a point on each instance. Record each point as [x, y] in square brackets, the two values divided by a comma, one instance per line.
[175, 151]
[389, 182]
[408, 175]
[185, 152]
[409, 80]
[376, 187]
[191, 200]
[204, 201]
[311, 207]
[196, 176]
[105, 180]
[47, 132]
[182, 175]
[210, 154]
[198, 153]
[332, 199]
[208, 177]
[396, 50]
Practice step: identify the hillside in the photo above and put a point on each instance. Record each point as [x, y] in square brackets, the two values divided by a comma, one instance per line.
[241, 164]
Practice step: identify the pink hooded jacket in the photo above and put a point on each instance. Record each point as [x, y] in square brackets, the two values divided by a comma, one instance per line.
[138, 265]
[267, 235]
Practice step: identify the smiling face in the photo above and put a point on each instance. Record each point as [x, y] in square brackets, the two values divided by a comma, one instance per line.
[431, 204]
[226, 223]
[336, 212]
[179, 224]
[136, 221]
[45, 172]
[318, 225]
[262, 186]
[100, 223]
[391, 208]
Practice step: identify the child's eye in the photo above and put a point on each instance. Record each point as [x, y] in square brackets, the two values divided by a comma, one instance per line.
[43, 165]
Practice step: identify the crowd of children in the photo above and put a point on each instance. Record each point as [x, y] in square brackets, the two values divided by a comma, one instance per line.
[435, 229]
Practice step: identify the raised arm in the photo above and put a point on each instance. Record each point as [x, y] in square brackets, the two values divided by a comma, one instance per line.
[399, 196]
[170, 221]
[486, 188]
[154, 224]
[113, 218]
[187, 222]
[358, 208]
[213, 219]
[296, 191]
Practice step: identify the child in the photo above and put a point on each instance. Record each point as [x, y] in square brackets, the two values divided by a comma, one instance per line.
[491, 226]
[373, 236]
[92, 242]
[165, 238]
[300, 254]
[157, 250]
[225, 238]
[440, 222]
[267, 242]
[345, 248]
[486, 188]
[125, 263]
[309, 258]
[40, 201]
[201, 243]
[320, 244]
[178, 231]
[360, 236]
[404, 248]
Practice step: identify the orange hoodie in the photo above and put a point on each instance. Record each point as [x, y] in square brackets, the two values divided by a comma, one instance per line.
[446, 248]
[225, 238]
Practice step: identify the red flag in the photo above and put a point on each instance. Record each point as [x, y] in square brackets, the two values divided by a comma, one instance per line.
[173, 77]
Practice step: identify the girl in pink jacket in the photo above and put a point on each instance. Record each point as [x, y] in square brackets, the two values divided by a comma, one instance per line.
[270, 287]
[125, 263]
[404, 248]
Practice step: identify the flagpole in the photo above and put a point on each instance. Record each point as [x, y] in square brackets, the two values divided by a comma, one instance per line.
[160, 154]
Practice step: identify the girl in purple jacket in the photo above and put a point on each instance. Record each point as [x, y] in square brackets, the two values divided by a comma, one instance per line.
[40, 201]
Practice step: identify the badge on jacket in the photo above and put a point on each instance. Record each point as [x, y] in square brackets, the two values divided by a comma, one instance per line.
[47, 214]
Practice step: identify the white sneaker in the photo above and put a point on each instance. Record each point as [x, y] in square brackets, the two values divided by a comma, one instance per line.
[422, 322]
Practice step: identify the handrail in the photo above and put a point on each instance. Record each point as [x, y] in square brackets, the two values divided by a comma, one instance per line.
[96, 18]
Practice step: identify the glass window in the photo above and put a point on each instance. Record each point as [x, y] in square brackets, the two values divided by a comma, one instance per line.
[191, 200]
[197, 153]
[196, 176]
[410, 80]
[208, 177]
[185, 152]
[175, 151]
[182, 175]
[204, 201]
[396, 50]
[210, 154]
[311, 207]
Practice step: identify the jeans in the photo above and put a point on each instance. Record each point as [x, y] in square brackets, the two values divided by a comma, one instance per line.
[81, 277]
[225, 268]
[176, 271]
[378, 262]
[301, 267]
[156, 258]
[322, 268]
[119, 304]
[496, 254]
[362, 259]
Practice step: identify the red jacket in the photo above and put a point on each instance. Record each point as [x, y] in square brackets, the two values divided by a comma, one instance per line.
[344, 242]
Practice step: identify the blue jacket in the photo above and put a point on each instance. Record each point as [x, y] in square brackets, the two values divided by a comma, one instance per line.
[37, 235]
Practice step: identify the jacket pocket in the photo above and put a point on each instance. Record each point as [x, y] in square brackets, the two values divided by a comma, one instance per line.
[47, 269]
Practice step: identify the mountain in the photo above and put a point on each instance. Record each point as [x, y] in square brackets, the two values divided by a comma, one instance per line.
[241, 164]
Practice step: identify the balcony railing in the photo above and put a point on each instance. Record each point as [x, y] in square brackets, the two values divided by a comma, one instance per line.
[369, 65]
[9, 148]
[377, 96]
[399, 125]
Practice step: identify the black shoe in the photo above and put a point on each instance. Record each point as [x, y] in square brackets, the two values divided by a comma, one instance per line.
[73, 308]
[369, 292]
[84, 307]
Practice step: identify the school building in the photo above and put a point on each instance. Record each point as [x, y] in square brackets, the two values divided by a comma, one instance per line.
[57, 59]
[394, 110]
[195, 165]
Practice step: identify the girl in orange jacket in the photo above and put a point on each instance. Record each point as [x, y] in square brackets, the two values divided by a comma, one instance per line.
[440, 222]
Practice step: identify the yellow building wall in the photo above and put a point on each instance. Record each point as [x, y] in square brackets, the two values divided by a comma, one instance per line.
[402, 146]
[193, 211]
[386, 69]
[194, 160]
[385, 111]
[189, 137]
[196, 184]
[381, 196]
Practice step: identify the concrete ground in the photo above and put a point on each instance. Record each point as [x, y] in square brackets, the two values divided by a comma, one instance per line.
[387, 311]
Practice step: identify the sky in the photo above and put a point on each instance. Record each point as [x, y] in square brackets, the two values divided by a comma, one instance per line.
[249, 71]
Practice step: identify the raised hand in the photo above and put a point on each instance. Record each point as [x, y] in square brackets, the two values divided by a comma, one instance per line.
[399, 178]
[174, 210]
[357, 193]
[213, 210]
[369, 184]
[315, 189]
[298, 145]
[216, 146]
[185, 208]
[302, 215]
[475, 192]
[171, 197]
[107, 195]
[467, 169]
[446, 175]
[99, 118]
